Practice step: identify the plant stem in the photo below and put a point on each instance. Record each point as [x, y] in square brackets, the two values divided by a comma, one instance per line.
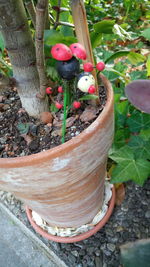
[41, 11]
[65, 111]
[31, 10]
[57, 15]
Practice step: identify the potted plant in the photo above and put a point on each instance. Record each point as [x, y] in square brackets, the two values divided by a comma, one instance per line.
[64, 184]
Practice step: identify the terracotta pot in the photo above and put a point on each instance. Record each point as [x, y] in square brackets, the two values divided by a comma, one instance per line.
[65, 185]
[77, 238]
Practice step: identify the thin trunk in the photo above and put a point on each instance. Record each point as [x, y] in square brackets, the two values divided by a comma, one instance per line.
[21, 50]
[47, 22]
[41, 11]
[31, 10]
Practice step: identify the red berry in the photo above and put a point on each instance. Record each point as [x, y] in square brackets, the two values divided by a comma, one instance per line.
[76, 104]
[88, 67]
[92, 89]
[49, 90]
[100, 66]
[60, 89]
[58, 105]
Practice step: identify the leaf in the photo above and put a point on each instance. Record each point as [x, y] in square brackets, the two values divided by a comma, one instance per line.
[88, 97]
[104, 26]
[96, 39]
[117, 73]
[23, 128]
[117, 55]
[138, 93]
[117, 29]
[148, 65]
[146, 34]
[136, 58]
[136, 170]
[140, 147]
[2, 45]
[125, 153]
[51, 37]
[53, 108]
[121, 135]
[52, 72]
[138, 121]
[145, 134]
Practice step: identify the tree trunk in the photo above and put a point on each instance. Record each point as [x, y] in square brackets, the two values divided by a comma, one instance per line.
[21, 50]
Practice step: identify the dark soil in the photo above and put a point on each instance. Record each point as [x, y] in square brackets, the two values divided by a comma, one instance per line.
[22, 135]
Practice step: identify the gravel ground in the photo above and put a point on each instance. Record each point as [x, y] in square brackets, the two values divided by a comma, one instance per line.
[130, 221]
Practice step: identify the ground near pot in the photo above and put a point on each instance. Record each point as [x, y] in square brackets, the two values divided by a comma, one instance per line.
[65, 185]
[77, 238]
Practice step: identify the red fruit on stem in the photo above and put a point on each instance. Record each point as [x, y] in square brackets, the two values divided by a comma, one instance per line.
[76, 104]
[100, 66]
[60, 89]
[49, 90]
[88, 67]
[61, 52]
[91, 89]
[78, 50]
[58, 105]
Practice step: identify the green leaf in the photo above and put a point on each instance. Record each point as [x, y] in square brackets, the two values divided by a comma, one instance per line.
[125, 153]
[2, 45]
[23, 128]
[104, 26]
[138, 121]
[136, 58]
[140, 147]
[88, 97]
[146, 34]
[145, 134]
[117, 55]
[52, 72]
[51, 37]
[121, 135]
[96, 39]
[53, 108]
[148, 66]
[122, 107]
[136, 170]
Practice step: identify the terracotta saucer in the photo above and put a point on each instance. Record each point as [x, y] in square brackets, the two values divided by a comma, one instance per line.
[79, 237]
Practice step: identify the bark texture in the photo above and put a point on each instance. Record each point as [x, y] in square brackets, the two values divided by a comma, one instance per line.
[21, 50]
[41, 13]
[31, 10]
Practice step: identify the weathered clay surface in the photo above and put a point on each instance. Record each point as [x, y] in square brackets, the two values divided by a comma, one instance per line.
[65, 185]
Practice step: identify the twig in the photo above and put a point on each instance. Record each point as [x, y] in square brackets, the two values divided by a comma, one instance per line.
[47, 22]
[41, 10]
[65, 24]
[57, 15]
[31, 10]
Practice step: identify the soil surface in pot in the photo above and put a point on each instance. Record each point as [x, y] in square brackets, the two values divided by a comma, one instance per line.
[22, 135]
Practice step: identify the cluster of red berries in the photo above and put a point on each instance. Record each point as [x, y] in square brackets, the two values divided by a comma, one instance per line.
[88, 67]
[58, 105]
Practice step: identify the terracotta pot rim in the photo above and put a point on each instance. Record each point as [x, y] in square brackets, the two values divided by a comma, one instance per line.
[69, 145]
[77, 238]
